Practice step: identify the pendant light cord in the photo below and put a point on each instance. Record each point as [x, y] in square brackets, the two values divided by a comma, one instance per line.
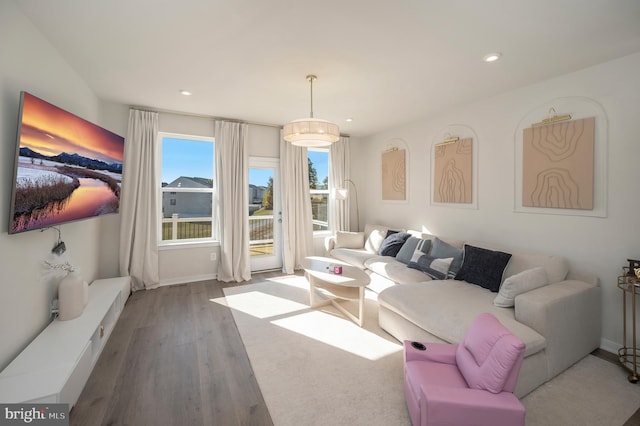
[311, 78]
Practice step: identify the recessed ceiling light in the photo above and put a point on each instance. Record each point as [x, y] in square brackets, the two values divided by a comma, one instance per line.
[349, 120]
[185, 92]
[492, 57]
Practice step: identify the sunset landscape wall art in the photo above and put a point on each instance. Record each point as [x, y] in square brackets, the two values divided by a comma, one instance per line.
[67, 168]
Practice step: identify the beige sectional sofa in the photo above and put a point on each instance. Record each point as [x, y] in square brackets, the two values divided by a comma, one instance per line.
[558, 318]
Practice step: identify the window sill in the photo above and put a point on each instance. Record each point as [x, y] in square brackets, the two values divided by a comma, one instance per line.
[174, 245]
[322, 234]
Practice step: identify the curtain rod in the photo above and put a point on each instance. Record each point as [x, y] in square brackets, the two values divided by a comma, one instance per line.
[210, 117]
[206, 117]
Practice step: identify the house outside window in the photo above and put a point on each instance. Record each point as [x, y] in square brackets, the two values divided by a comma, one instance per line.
[188, 189]
[319, 187]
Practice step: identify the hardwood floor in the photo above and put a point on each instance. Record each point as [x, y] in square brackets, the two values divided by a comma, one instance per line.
[175, 357]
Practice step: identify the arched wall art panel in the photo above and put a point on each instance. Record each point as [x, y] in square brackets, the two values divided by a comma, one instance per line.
[561, 159]
[454, 164]
[394, 171]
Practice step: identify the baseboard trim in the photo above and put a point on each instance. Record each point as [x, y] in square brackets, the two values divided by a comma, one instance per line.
[189, 279]
[609, 345]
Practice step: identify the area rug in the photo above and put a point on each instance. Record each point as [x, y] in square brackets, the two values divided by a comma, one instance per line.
[315, 367]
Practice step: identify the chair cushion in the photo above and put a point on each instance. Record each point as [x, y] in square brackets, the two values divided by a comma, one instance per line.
[488, 354]
[418, 373]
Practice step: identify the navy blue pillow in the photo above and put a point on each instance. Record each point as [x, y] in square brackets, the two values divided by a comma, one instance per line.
[393, 243]
[483, 267]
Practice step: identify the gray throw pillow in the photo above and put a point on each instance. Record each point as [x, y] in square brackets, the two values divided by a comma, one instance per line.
[409, 246]
[436, 268]
[444, 250]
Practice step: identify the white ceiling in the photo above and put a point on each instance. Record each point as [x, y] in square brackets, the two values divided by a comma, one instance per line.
[382, 62]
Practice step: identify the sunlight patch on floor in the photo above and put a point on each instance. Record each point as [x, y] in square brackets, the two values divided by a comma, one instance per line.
[262, 305]
[339, 333]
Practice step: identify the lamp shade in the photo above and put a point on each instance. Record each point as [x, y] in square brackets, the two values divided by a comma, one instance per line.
[340, 193]
[311, 132]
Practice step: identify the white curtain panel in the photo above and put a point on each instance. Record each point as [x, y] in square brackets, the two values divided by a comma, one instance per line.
[339, 209]
[297, 227]
[233, 211]
[139, 219]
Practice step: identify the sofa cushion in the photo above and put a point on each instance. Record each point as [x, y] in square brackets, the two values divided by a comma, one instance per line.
[520, 283]
[443, 249]
[437, 268]
[353, 240]
[391, 269]
[447, 308]
[483, 267]
[410, 246]
[393, 243]
[355, 257]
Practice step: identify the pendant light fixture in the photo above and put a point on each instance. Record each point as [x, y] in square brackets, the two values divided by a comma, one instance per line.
[311, 132]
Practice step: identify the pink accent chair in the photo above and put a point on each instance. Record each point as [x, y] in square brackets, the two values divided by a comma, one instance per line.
[470, 383]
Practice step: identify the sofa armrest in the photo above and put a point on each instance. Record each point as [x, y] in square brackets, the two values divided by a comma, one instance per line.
[569, 316]
[444, 353]
[329, 243]
[456, 406]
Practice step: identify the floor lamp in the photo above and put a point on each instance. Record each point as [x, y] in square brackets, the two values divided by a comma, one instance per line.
[342, 194]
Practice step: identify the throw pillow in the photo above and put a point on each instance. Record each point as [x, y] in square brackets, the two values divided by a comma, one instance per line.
[393, 243]
[520, 283]
[436, 268]
[444, 250]
[352, 240]
[483, 267]
[375, 235]
[410, 246]
[391, 232]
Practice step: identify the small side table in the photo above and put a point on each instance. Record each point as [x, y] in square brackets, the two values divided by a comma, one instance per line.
[629, 355]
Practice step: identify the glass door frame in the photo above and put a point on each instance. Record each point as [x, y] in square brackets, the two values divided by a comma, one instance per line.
[265, 262]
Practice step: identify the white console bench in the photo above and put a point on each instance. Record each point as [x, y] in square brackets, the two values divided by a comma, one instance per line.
[56, 365]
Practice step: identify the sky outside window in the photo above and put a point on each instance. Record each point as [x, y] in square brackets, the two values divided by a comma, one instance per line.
[185, 157]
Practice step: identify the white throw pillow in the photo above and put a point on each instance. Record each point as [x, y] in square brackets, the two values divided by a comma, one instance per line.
[375, 235]
[352, 240]
[520, 283]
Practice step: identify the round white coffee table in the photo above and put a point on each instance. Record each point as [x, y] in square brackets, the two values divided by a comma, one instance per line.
[346, 286]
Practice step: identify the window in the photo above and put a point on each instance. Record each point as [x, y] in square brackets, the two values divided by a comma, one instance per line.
[188, 188]
[319, 187]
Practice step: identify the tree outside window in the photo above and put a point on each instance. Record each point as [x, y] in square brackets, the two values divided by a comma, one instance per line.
[318, 159]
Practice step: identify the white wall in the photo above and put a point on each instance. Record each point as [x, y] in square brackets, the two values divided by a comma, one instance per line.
[597, 245]
[30, 63]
